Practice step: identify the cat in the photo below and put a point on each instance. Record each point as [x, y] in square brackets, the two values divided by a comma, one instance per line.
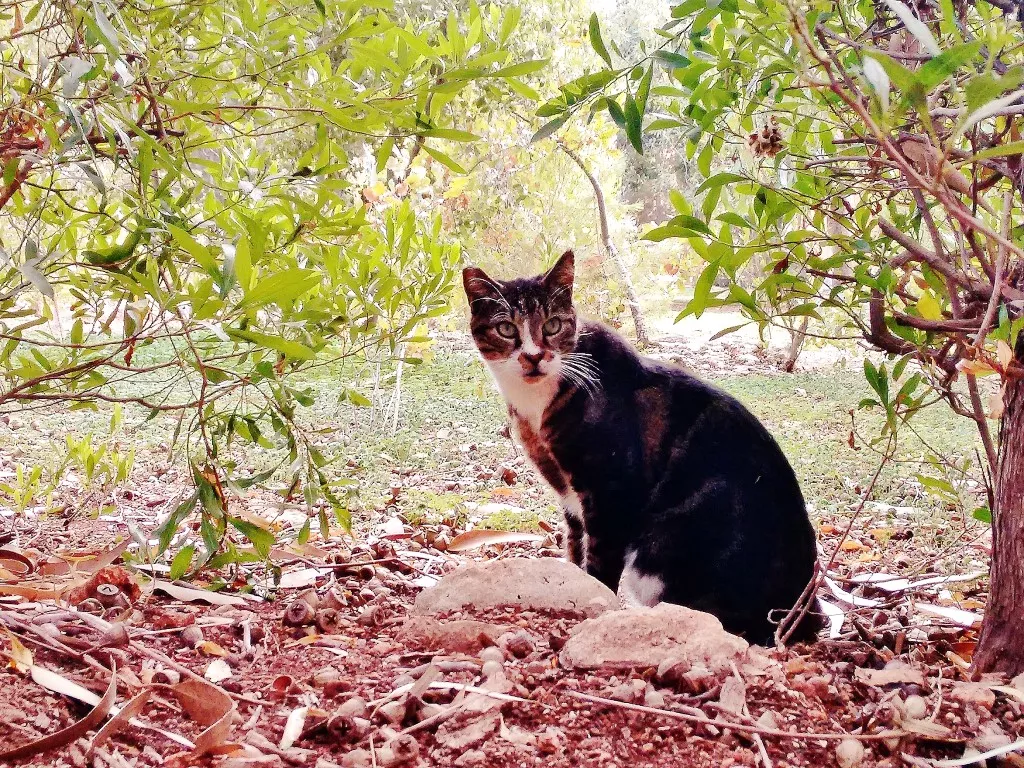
[672, 491]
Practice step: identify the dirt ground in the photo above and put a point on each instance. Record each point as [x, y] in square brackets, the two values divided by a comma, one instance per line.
[337, 677]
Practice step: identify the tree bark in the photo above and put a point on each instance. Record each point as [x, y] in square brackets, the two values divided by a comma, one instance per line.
[613, 253]
[797, 337]
[1001, 646]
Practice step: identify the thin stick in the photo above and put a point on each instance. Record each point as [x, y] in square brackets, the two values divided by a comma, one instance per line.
[739, 727]
[796, 614]
[997, 283]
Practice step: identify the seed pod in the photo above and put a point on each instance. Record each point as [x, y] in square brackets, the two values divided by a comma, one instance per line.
[298, 614]
[328, 621]
[192, 635]
[109, 596]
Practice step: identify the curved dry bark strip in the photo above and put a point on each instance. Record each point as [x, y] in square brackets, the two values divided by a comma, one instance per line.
[70, 734]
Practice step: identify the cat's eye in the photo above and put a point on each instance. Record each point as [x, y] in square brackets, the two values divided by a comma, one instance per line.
[552, 326]
[506, 330]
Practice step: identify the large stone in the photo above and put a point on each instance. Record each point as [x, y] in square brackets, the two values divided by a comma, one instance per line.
[460, 636]
[545, 584]
[645, 637]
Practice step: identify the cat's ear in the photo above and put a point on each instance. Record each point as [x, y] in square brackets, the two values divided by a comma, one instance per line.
[561, 275]
[478, 285]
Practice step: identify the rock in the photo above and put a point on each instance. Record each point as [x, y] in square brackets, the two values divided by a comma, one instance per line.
[458, 636]
[915, 707]
[470, 758]
[991, 737]
[354, 707]
[546, 584]
[849, 753]
[519, 644]
[457, 734]
[491, 669]
[671, 670]
[973, 693]
[357, 758]
[550, 742]
[645, 637]
[262, 761]
[654, 699]
[492, 653]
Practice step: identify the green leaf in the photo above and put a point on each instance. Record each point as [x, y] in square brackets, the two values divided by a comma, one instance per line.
[281, 288]
[984, 514]
[644, 90]
[286, 347]
[634, 124]
[672, 60]
[983, 88]
[596, 41]
[520, 69]
[1004, 150]
[938, 69]
[444, 160]
[199, 252]
[384, 153]
[615, 112]
[261, 538]
[720, 180]
[181, 562]
[451, 134]
[549, 128]
[904, 79]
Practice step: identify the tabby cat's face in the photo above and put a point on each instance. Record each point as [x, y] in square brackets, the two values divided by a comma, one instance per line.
[524, 328]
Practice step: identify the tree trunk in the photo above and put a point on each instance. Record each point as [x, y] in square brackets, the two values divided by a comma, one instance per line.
[1001, 646]
[613, 253]
[797, 337]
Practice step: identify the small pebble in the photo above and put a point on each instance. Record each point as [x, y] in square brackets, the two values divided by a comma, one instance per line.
[492, 653]
[849, 753]
[354, 707]
[491, 669]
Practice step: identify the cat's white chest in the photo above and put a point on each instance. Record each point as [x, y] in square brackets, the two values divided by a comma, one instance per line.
[529, 399]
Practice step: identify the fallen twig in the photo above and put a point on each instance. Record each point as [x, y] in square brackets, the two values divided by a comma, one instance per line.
[738, 727]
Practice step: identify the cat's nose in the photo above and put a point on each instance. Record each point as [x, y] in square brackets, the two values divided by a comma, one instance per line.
[531, 362]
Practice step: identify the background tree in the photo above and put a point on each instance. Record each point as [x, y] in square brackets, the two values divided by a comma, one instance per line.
[872, 154]
[196, 183]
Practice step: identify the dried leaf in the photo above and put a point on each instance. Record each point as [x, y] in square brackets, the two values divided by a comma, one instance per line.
[976, 759]
[1003, 353]
[835, 616]
[956, 615]
[889, 676]
[734, 695]
[16, 563]
[211, 648]
[192, 595]
[928, 729]
[43, 591]
[20, 656]
[208, 705]
[120, 720]
[916, 27]
[73, 732]
[293, 726]
[479, 537]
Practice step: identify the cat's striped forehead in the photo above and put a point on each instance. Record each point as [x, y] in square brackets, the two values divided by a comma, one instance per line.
[529, 296]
